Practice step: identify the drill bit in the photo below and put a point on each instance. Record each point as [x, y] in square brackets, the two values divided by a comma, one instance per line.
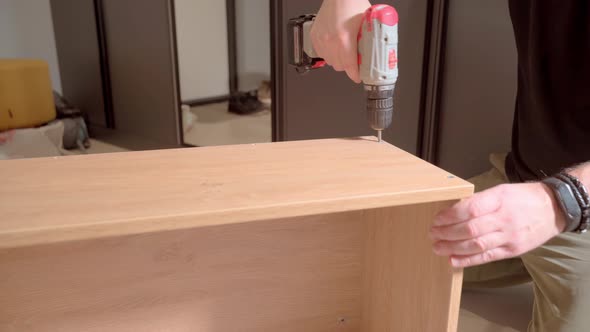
[379, 135]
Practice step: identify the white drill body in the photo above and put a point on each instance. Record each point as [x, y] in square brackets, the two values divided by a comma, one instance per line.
[377, 47]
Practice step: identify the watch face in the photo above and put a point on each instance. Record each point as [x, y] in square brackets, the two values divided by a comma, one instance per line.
[567, 202]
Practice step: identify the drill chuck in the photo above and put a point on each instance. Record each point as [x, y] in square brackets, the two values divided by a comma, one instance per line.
[379, 105]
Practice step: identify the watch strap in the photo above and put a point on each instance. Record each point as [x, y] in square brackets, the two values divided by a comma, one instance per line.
[567, 201]
[581, 189]
[583, 198]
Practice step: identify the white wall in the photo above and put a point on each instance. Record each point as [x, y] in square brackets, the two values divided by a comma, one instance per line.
[201, 28]
[8, 39]
[253, 42]
[26, 31]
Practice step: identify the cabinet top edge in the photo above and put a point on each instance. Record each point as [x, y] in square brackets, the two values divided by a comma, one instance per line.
[79, 197]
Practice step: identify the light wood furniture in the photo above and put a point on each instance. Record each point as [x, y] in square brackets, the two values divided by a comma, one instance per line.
[324, 235]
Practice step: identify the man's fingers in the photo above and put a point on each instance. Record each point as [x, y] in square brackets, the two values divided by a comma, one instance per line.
[325, 52]
[319, 48]
[353, 73]
[478, 205]
[336, 65]
[472, 246]
[481, 258]
[332, 58]
[324, 46]
[339, 51]
[349, 57]
[466, 230]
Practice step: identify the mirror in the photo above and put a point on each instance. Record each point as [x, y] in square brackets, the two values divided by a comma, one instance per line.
[137, 74]
[224, 70]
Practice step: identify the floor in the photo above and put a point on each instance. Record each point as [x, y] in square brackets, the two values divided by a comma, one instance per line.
[103, 147]
[112, 139]
[212, 124]
[108, 141]
[498, 310]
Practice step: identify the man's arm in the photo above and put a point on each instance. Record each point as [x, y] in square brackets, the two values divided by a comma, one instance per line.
[502, 222]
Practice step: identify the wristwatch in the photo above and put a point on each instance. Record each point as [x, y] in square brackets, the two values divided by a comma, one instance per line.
[566, 199]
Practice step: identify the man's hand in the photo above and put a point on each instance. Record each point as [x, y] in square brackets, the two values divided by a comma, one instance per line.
[502, 222]
[334, 33]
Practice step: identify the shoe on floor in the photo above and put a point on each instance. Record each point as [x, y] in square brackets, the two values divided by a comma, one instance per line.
[244, 103]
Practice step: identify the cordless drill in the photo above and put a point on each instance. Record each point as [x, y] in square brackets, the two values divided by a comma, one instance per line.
[377, 58]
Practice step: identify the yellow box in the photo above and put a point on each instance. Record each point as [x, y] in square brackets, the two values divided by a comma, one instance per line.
[26, 95]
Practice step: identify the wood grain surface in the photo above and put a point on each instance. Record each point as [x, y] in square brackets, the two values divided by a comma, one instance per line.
[299, 274]
[50, 200]
[322, 236]
[369, 271]
[405, 286]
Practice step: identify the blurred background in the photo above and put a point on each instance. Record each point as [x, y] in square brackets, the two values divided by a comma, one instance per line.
[147, 74]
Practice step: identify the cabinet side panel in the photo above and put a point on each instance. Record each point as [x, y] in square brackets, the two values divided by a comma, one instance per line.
[405, 286]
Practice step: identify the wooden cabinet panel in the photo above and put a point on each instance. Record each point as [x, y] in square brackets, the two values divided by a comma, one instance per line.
[323, 235]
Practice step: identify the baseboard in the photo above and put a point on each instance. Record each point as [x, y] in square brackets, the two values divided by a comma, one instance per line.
[205, 101]
[129, 141]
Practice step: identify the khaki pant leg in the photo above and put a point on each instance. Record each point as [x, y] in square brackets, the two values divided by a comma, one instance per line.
[560, 271]
[502, 273]
[561, 277]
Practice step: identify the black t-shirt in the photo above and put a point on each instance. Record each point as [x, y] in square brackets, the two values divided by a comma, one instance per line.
[551, 127]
